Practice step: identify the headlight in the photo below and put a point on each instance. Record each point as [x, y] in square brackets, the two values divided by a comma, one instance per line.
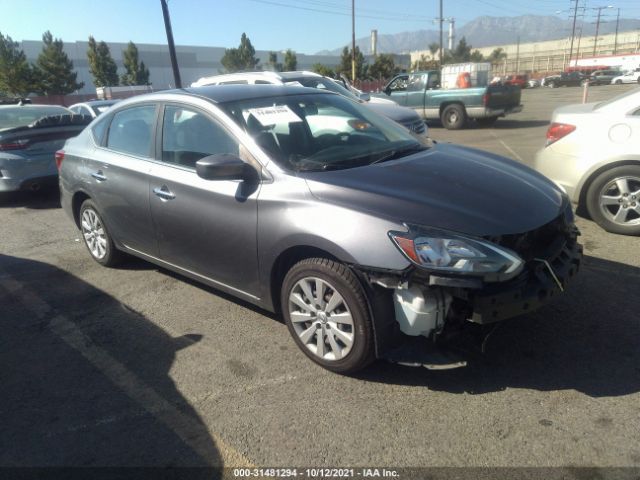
[447, 252]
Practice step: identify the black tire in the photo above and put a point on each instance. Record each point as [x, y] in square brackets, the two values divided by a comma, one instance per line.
[111, 256]
[487, 121]
[453, 117]
[343, 281]
[602, 185]
[618, 82]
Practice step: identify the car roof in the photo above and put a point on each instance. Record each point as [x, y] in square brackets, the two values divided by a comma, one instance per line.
[232, 93]
[32, 106]
[261, 75]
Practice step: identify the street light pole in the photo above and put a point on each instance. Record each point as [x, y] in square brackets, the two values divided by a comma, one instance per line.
[172, 47]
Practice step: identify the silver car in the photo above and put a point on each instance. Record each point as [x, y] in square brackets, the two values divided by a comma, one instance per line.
[29, 138]
[371, 242]
[593, 153]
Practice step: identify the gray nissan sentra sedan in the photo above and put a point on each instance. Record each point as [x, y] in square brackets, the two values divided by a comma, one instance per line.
[371, 242]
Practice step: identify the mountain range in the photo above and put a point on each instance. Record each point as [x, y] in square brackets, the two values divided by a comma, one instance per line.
[485, 31]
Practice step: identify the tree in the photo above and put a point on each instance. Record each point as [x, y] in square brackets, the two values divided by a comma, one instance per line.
[321, 69]
[273, 64]
[101, 64]
[462, 53]
[476, 56]
[241, 58]
[54, 69]
[424, 63]
[383, 67]
[290, 61]
[345, 63]
[136, 73]
[497, 56]
[16, 75]
[434, 48]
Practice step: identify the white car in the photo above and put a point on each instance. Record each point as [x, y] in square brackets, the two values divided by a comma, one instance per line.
[593, 153]
[629, 77]
[406, 117]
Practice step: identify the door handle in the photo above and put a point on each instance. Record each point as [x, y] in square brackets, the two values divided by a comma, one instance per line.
[99, 176]
[164, 193]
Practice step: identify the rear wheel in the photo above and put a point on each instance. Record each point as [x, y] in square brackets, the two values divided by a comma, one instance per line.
[618, 82]
[453, 117]
[613, 200]
[96, 236]
[327, 314]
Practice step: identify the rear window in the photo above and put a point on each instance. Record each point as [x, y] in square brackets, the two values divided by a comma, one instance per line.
[20, 116]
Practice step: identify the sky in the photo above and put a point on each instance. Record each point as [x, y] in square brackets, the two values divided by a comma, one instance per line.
[306, 26]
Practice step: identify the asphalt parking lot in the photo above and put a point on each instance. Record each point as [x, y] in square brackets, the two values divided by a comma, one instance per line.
[137, 366]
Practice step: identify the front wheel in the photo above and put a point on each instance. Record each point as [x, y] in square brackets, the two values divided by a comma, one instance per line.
[453, 117]
[327, 314]
[613, 200]
[618, 82]
[96, 236]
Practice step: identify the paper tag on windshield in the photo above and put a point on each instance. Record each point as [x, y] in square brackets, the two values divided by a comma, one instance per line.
[272, 115]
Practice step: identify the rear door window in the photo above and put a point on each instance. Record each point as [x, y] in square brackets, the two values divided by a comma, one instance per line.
[131, 131]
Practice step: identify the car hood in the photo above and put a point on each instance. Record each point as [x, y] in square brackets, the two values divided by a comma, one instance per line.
[394, 112]
[449, 187]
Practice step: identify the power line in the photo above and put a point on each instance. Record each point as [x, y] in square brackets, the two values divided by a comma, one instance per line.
[390, 16]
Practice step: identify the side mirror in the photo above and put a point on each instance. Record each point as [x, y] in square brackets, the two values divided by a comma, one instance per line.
[222, 166]
[364, 96]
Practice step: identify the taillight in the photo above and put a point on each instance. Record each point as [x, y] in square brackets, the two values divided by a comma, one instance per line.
[485, 99]
[59, 158]
[14, 144]
[557, 131]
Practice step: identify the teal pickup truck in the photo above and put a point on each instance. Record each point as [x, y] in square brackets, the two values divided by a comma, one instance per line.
[453, 106]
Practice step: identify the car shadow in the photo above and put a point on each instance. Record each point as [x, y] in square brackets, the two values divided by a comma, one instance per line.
[44, 199]
[587, 340]
[85, 380]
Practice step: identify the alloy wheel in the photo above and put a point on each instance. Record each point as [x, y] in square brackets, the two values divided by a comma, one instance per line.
[93, 233]
[620, 200]
[321, 318]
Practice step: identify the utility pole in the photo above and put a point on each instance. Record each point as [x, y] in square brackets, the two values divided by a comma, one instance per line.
[595, 39]
[353, 41]
[518, 55]
[441, 21]
[172, 47]
[573, 29]
[615, 42]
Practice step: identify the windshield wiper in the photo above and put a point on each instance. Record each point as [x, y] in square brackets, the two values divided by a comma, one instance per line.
[399, 153]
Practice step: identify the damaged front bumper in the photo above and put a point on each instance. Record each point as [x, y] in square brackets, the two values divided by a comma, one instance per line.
[552, 258]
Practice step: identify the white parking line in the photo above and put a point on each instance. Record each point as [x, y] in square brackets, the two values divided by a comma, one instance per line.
[507, 147]
[191, 431]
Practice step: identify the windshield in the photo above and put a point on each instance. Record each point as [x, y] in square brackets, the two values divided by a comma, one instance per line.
[20, 116]
[321, 132]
